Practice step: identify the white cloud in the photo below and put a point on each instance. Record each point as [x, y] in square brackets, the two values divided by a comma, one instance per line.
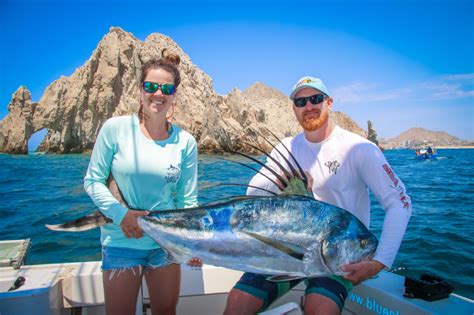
[454, 86]
[448, 87]
[463, 76]
[364, 92]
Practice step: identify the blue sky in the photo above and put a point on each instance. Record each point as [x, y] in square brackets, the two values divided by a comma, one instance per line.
[400, 64]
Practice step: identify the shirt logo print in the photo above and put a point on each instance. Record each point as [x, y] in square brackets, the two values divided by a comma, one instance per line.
[172, 174]
[332, 166]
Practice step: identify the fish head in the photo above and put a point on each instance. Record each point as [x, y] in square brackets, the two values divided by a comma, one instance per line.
[351, 244]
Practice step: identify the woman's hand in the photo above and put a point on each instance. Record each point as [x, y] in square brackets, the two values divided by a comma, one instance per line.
[195, 262]
[130, 226]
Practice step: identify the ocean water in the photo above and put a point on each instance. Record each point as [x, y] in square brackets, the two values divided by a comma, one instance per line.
[40, 189]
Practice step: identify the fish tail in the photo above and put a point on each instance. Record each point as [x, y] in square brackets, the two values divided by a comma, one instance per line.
[95, 219]
[85, 223]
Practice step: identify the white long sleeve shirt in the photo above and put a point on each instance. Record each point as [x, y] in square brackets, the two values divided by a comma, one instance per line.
[344, 167]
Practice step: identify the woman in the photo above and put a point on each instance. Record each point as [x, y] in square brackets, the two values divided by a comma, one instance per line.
[154, 164]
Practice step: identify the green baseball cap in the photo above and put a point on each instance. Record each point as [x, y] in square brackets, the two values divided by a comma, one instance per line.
[309, 82]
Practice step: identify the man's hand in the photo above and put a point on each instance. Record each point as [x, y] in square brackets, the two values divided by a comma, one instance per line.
[358, 272]
[130, 226]
[195, 262]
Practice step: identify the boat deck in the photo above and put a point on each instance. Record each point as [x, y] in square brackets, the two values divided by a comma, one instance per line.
[67, 288]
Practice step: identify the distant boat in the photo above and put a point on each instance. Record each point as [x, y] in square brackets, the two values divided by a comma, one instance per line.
[426, 154]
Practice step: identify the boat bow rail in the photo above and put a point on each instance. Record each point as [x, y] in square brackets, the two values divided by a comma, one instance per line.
[13, 253]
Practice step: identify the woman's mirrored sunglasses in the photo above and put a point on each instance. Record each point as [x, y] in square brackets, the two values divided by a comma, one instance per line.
[152, 87]
[314, 99]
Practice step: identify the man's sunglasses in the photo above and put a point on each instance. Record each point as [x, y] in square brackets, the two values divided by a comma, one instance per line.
[152, 87]
[314, 99]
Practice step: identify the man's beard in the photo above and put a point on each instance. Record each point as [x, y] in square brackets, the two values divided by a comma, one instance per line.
[314, 123]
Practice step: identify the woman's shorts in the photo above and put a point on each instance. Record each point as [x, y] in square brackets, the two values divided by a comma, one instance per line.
[122, 258]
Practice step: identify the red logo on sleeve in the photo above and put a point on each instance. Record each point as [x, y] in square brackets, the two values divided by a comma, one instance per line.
[390, 174]
[403, 198]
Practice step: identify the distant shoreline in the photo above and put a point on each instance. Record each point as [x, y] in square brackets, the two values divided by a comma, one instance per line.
[435, 147]
[460, 147]
[89, 152]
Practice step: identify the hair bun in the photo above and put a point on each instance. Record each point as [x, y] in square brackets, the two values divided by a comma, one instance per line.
[171, 57]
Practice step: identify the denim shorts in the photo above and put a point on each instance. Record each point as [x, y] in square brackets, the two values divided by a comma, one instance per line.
[333, 287]
[122, 258]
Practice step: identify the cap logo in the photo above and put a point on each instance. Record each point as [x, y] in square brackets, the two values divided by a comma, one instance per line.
[307, 80]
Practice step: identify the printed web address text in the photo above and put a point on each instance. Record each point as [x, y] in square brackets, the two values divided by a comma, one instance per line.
[371, 305]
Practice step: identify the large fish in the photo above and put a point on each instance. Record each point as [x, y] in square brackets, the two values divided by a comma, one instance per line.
[288, 236]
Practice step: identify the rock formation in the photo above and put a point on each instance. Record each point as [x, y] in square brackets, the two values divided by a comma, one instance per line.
[371, 133]
[419, 138]
[18, 126]
[74, 108]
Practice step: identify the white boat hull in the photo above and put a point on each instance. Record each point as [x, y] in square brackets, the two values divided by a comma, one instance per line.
[62, 288]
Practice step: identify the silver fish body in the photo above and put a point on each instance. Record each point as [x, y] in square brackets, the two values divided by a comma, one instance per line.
[278, 235]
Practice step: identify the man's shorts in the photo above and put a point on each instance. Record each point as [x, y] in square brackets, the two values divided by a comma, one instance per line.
[334, 287]
[114, 258]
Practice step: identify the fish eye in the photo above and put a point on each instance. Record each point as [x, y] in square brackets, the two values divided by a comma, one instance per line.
[363, 243]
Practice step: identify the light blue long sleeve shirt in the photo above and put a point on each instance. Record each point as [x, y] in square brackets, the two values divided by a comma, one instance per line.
[152, 175]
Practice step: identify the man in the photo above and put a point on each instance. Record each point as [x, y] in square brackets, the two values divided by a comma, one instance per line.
[343, 167]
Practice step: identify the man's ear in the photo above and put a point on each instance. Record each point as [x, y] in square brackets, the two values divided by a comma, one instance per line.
[329, 102]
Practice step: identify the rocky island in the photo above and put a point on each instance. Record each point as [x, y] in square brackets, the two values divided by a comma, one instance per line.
[72, 109]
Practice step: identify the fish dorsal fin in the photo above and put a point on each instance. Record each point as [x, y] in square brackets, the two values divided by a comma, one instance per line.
[294, 182]
[281, 278]
[289, 179]
[296, 187]
[298, 180]
[287, 248]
